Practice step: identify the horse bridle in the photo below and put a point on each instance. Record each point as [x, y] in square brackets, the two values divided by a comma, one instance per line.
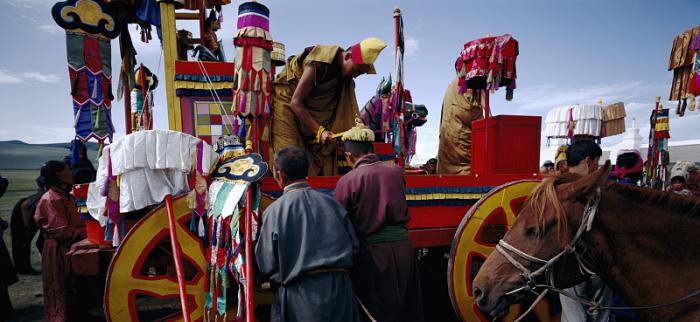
[529, 276]
[505, 249]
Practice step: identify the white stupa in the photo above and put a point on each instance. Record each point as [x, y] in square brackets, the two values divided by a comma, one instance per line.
[631, 140]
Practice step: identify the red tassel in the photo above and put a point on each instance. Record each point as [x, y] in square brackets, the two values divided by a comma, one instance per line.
[244, 86]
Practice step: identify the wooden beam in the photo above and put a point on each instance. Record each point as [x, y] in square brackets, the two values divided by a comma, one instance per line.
[167, 15]
[187, 15]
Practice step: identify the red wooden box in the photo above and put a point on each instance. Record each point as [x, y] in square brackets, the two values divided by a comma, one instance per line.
[95, 232]
[506, 144]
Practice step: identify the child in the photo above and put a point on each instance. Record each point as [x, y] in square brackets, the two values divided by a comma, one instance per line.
[678, 186]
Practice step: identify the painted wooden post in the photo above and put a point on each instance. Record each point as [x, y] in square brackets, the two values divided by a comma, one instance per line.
[167, 16]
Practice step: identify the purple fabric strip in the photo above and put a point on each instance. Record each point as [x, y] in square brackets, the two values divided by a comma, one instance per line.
[695, 45]
[200, 147]
[253, 20]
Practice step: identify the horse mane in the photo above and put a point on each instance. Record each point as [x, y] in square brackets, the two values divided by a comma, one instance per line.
[671, 202]
[545, 197]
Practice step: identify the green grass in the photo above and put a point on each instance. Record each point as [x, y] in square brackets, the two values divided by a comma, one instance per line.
[22, 184]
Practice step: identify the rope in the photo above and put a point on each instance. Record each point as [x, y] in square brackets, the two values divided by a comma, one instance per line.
[595, 306]
[369, 316]
[592, 306]
[215, 95]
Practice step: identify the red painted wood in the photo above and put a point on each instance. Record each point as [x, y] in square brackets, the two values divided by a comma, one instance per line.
[249, 302]
[436, 216]
[176, 258]
[506, 144]
[431, 237]
[212, 68]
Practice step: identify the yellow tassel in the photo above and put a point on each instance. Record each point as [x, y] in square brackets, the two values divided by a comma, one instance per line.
[192, 199]
[359, 132]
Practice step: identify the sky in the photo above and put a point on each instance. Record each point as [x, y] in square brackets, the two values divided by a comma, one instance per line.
[571, 51]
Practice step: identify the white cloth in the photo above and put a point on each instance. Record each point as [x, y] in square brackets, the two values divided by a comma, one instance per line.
[151, 165]
[592, 289]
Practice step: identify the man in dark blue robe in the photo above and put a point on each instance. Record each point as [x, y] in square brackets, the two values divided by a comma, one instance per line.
[306, 247]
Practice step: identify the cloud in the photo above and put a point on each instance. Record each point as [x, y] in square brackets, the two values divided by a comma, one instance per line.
[31, 77]
[548, 96]
[29, 4]
[39, 77]
[50, 29]
[412, 45]
[7, 78]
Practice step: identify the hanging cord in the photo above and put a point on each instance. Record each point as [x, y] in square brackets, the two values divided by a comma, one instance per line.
[215, 95]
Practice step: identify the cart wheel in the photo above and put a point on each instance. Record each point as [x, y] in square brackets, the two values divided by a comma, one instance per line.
[483, 226]
[141, 276]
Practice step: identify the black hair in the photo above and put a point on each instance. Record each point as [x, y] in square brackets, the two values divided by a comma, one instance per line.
[82, 175]
[679, 179]
[294, 162]
[357, 148]
[580, 150]
[50, 170]
[432, 161]
[627, 160]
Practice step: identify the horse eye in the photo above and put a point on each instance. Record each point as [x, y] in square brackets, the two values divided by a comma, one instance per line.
[530, 231]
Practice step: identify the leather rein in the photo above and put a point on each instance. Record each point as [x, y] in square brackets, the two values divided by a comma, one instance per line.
[529, 276]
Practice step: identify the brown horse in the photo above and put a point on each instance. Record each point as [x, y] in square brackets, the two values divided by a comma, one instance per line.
[644, 244]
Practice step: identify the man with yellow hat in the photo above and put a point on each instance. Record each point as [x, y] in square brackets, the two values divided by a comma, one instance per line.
[385, 272]
[314, 97]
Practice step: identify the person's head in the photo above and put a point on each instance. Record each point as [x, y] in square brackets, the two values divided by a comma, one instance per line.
[291, 164]
[57, 174]
[548, 166]
[677, 183]
[629, 164]
[583, 156]
[359, 59]
[82, 175]
[560, 159]
[40, 183]
[212, 22]
[357, 149]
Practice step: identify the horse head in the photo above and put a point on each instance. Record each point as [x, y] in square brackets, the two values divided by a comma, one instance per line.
[542, 232]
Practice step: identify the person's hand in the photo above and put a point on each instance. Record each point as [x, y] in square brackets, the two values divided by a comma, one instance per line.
[326, 137]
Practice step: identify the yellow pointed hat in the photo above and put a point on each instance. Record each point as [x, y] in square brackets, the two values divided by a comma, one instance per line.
[367, 51]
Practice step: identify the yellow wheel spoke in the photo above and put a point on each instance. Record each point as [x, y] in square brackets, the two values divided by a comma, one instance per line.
[499, 200]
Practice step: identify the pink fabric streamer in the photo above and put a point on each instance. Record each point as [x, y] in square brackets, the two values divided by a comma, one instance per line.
[253, 20]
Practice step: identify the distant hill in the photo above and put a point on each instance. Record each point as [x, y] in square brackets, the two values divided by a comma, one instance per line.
[18, 155]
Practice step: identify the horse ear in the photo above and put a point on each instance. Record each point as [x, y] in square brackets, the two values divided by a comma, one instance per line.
[587, 186]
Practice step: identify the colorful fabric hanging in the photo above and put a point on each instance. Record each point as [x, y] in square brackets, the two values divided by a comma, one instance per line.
[232, 179]
[253, 78]
[487, 64]
[89, 26]
[142, 99]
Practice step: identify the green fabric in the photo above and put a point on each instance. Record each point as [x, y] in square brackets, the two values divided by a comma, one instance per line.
[387, 234]
[74, 47]
[106, 56]
[99, 120]
[221, 199]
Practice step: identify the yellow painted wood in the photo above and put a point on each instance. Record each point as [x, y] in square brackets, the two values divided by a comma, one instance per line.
[467, 245]
[124, 280]
[167, 16]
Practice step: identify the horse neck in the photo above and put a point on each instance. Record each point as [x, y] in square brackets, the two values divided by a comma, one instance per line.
[647, 255]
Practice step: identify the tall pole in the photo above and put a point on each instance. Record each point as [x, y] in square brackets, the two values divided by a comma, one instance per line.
[398, 61]
[177, 253]
[127, 109]
[167, 16]
[249, 280]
